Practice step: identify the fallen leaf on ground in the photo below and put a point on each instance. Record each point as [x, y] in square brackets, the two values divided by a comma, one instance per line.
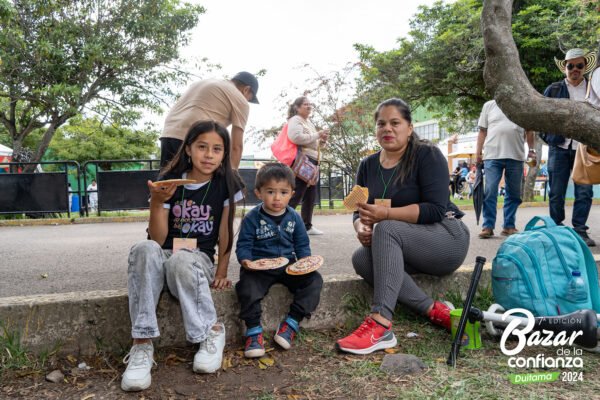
[391, 351]
[72, 359]
[44, 276]
[227, 363]
[265, 362]
[173, 359]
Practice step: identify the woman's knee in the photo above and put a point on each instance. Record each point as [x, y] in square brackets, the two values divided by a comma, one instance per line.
[361, 261]
[386, 227]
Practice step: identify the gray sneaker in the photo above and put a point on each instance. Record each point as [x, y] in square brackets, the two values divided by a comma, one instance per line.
[139, 364]
[209, 357]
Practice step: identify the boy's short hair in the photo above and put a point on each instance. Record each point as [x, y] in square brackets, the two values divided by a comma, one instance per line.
[274, 171]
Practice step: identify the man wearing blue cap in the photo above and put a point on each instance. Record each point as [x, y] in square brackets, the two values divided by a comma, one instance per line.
[223, 101]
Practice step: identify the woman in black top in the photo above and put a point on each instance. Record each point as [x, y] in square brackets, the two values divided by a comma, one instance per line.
[408, 225]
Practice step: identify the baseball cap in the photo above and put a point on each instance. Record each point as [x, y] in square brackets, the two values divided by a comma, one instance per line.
[248, 79]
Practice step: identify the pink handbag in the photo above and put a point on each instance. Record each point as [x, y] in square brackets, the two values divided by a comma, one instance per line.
[283, 148]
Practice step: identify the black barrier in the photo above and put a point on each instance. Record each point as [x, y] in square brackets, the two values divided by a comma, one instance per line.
[124, 190]
[35, 192]
[119, 189]
[248, 176]
[27, 193]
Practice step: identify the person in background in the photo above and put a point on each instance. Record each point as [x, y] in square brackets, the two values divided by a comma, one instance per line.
[70, 193]
[504, 143]
[222, 101]
[593, 91]
[408, 211]
[561, 150]
[471, 179]
[92, 190]
[303, 133]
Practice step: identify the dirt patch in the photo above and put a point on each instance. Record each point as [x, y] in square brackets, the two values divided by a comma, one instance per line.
[312, 369]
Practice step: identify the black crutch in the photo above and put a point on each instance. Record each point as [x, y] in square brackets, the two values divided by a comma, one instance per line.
[479, 262]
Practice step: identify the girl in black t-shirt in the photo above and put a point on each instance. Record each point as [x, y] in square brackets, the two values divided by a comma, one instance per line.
[186, 223]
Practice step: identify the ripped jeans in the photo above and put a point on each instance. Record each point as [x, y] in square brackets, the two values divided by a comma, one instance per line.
[188, 275]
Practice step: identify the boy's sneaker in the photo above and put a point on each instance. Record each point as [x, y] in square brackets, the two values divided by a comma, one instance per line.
[255, 346]
[369, 337]
[286, 332]
[440, 315]
[139, 363]
[209, 357]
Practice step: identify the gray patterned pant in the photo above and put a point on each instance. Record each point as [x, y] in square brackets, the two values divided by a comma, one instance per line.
[188, 275]
[399, 249]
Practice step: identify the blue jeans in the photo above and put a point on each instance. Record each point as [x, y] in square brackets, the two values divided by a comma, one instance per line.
[513, 175]
[188, 275]
[560, 164]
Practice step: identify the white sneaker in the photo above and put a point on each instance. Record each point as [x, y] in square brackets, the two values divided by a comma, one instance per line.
[139, 363]
[209, 357]
[314, 231]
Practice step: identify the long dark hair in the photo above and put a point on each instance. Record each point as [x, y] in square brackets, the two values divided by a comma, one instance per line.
[407, 162]
[182, 163]
[293, 109]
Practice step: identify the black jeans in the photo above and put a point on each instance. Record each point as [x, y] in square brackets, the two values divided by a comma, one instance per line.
[253, 286]
[307, 195]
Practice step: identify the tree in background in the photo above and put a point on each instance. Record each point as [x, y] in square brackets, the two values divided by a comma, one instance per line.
[65, 56]
[83, 140]
[440, 64]
[511, 88]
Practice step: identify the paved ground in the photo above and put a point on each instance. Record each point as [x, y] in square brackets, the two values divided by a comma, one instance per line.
[67, 258]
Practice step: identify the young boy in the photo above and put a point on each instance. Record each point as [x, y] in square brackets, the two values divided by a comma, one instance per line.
[271, 230]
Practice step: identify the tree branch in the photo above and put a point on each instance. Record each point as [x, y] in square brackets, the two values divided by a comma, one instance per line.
[517, 98]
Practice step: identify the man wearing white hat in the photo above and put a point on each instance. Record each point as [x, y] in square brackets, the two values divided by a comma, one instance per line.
[561, 153]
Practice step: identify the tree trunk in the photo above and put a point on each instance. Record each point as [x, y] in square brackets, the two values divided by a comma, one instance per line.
[522, 104]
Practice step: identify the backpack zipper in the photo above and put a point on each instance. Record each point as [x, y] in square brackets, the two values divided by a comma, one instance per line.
[538, 269]
[521, 272]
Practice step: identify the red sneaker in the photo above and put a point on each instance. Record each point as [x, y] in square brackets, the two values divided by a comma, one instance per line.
[440, 314]
[369, 337]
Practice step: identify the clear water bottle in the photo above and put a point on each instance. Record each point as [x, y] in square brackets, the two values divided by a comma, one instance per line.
[577, 291]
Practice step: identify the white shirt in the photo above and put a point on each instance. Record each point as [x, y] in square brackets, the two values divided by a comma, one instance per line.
[575, 93]
[504, 138]
[594, 98]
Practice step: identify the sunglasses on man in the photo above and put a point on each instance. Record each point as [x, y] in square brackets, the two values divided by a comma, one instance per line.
[578, 66]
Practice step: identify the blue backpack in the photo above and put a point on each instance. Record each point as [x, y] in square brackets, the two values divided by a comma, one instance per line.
[533, 269]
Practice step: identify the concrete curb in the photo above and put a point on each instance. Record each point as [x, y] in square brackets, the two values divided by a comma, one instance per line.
[86, 322]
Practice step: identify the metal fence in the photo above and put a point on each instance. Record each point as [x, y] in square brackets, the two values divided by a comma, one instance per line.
[121, 185]
[37, 192]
